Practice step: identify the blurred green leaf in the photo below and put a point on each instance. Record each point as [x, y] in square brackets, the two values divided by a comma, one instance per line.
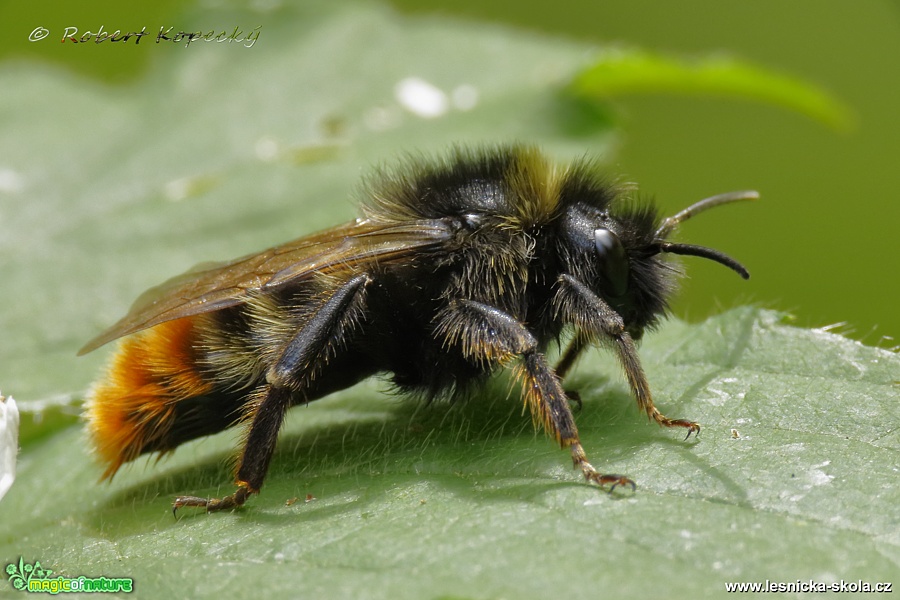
[619, 71]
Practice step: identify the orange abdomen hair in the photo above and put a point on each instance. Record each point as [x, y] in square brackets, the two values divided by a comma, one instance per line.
[132, 410]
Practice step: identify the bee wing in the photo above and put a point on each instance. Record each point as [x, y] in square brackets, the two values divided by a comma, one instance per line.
[213, 286]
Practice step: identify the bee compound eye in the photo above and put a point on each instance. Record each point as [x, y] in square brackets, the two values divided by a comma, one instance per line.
[613, 261]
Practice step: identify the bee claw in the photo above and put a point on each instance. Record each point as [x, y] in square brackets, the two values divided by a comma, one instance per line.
[693, 428]
[616, 481]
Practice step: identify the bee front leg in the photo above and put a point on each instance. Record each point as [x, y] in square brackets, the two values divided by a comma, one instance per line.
[575, 303]
[489, 335]
[324, 334]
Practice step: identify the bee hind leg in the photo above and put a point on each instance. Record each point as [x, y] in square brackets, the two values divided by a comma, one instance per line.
[303, 356]
[259, 447]
[212, 504]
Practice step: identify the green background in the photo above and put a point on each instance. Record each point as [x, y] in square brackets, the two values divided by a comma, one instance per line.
[825, 244]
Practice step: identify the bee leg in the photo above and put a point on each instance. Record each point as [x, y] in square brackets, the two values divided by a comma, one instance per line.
[302, 357]
[575, 399]
[259, 446]
[576, 303]
[212, 504]
[573, 350]
[641, 389]
[490, 335]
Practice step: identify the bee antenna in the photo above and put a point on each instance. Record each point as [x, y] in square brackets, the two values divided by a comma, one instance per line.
[670, 223]
[703, 252]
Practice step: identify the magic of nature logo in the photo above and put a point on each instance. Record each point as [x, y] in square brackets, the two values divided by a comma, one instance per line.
[33, 577]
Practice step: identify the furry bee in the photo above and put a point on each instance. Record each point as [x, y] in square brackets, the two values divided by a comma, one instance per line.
[458, 267]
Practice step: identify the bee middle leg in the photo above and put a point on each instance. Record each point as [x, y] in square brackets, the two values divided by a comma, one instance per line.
[573, 351]
[303, 356]
[489, 335]
[567, 361]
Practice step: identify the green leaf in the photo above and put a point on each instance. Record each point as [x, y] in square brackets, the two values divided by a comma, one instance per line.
[793, 477]
[619, 71]
[221, 150]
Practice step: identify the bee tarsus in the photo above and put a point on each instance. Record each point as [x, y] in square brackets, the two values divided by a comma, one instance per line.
[236, 500]
[591, 474]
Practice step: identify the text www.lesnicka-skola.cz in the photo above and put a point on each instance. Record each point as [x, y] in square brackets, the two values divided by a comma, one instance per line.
[810, 586]
[165, 34]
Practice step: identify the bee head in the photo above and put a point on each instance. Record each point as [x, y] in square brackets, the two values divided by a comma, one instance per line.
[614, 245]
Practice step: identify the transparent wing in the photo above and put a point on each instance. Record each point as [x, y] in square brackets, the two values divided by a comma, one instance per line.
[213, 286]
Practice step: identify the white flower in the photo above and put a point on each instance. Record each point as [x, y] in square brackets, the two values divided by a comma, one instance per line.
[9, 442]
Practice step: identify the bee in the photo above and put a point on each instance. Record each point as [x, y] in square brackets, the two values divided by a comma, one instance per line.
[458, 268]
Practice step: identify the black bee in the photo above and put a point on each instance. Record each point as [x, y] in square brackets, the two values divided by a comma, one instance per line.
[457, 268]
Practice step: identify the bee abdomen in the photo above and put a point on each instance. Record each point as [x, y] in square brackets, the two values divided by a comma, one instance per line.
[151, 383]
